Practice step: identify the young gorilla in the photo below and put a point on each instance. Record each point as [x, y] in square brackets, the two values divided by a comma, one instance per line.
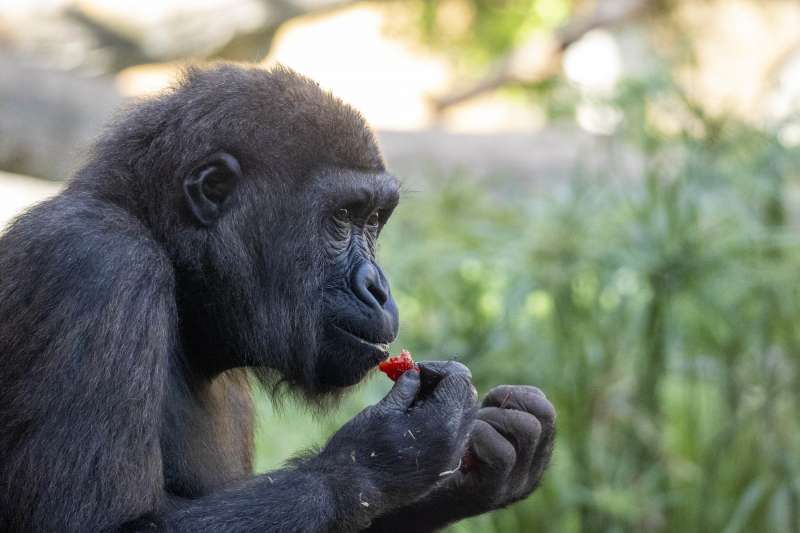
[230, 224]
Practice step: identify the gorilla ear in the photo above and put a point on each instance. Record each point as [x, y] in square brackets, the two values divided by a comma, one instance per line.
[208, 185]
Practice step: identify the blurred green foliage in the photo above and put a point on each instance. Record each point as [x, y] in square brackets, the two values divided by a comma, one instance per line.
[660, 315]
[476, 31]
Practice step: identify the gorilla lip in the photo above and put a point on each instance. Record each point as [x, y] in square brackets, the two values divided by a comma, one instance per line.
[381, 346]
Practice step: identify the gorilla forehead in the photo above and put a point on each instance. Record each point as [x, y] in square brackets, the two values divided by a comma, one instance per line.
[282, 128]
[259, 108]
[359, 185]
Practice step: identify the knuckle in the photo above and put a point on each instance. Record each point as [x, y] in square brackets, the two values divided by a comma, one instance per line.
[530, 389]
[520, 397]
[459, 384]
[446, 368]
[495, 417]
[457, 378]
[545, 410]
[502, 395]
[454, 367]
[496, 392]
[528, 426]
[432, 367]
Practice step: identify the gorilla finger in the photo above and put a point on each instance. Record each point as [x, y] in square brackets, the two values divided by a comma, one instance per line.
[404, 391]
[495, 455]
[522, 398]
[432, 373]
[440, 369]
[541, 460]
[523, 431]
[508, 395]
[454, 392]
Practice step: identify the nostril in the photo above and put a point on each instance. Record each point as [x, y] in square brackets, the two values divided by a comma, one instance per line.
[369, 287]
[378, 293]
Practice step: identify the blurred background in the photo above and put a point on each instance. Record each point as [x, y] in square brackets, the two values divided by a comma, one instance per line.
[601, 198]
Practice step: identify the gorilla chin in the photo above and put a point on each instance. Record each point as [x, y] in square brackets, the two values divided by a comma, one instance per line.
[347, 357]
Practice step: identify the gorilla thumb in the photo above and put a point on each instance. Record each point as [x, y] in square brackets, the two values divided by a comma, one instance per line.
[404, 392]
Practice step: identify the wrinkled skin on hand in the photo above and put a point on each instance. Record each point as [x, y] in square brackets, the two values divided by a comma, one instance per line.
[510, 439]
[403, 443]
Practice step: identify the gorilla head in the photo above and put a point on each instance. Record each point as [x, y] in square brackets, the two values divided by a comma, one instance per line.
[273, 240]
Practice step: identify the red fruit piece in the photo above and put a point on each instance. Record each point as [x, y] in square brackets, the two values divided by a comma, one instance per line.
[394, 367]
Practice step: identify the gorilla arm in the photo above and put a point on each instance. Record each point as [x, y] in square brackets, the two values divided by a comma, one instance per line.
[388, 453]
[86, 328]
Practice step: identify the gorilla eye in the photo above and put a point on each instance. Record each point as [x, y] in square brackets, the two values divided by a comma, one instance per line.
[343, 215]
[374, 219]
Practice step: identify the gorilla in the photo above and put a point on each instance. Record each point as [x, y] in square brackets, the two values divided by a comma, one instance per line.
[223, 230]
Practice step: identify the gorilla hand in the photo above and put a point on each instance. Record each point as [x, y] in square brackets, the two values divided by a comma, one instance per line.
[404, 443]
[511, 442]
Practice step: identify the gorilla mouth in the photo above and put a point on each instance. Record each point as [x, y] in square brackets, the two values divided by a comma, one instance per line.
[382, 347]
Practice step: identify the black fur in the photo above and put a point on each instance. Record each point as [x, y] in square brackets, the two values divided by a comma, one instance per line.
[226, 225]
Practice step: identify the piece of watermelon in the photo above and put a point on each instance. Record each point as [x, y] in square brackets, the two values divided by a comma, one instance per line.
[394, 367]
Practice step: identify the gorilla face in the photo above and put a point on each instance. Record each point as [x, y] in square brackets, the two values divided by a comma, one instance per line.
[359, 317]
[290, 282]
[284, 196]
[328, 308]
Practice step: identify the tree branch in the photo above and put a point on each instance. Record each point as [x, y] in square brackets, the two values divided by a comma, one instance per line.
[540, 58]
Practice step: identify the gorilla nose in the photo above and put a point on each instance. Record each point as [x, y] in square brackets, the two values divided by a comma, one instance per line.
[370, 286]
